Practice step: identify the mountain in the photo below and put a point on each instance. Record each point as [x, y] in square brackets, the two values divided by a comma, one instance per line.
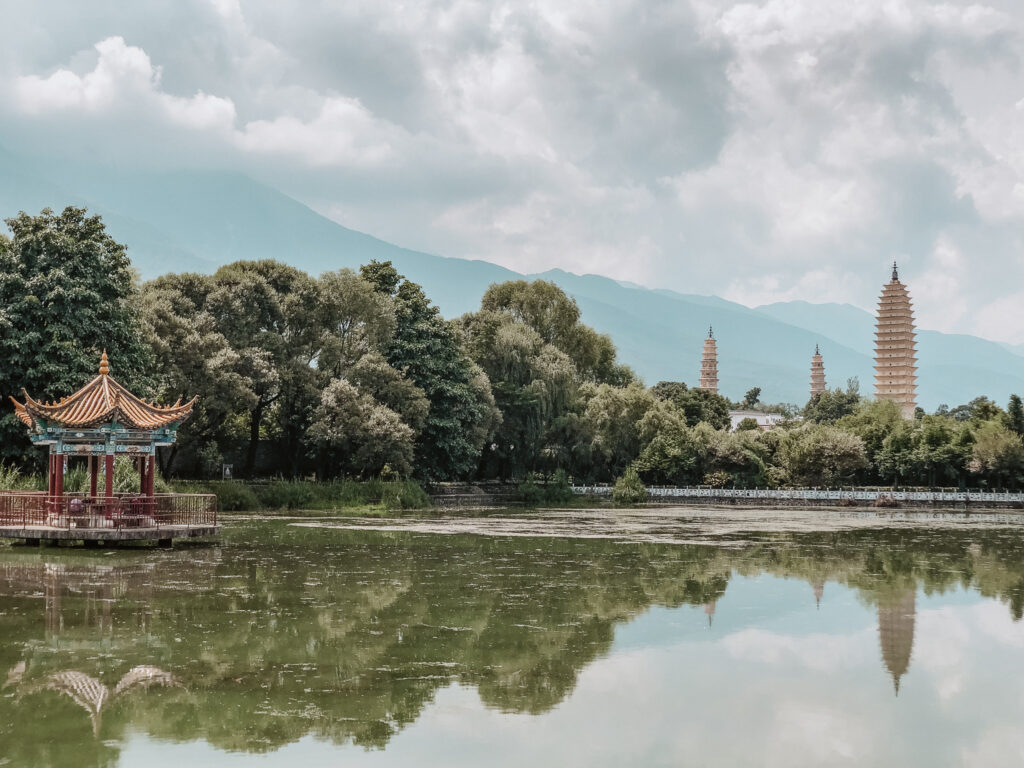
[196, 221]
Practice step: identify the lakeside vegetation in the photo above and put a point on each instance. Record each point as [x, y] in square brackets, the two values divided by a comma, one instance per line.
[354, 378]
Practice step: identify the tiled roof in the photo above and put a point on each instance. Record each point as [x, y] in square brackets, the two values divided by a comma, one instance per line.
[101, 401]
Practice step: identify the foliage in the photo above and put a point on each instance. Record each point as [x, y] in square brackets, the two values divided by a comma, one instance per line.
[536, 489]
[822, 456]
[746, 423]
[629, 489]
[830, 406]
[426, 349]
[751, 399]
[67, 293]
[697, 404]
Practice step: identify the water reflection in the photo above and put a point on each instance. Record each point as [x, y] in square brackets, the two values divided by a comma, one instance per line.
[349, 636]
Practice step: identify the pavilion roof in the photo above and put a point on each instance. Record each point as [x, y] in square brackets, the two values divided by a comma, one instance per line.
[102, 401]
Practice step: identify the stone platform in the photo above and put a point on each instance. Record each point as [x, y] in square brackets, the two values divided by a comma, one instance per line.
[163, 534]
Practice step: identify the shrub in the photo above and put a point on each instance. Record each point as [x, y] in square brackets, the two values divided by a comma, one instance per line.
[404, 494]
[284, 494]
[234, 497]
[559, 490]
[529, 492]
[629, 489]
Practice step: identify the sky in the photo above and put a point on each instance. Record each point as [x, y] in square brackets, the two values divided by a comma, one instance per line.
[762, 151]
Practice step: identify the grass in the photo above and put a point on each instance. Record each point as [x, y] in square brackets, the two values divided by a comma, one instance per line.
[368, 497]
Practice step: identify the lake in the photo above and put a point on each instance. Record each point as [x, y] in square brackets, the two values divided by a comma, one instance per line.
[604, 638]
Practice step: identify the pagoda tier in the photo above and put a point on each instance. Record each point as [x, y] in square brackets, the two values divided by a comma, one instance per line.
[818, 385]
[709, 364]
[895, 347]
[101, 401]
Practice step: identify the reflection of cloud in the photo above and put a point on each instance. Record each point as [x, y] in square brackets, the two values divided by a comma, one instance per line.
[1002, 745]
[817, 735]
[817, 651]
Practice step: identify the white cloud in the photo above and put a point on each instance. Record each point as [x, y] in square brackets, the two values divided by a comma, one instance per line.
[785, 149]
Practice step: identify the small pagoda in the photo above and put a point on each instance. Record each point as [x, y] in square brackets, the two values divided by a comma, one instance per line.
[818, 385]
[709, 364]
[99, 422]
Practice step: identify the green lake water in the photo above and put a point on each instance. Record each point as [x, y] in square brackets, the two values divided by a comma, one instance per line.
[654, 638]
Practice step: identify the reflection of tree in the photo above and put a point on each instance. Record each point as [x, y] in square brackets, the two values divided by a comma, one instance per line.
[349, 635]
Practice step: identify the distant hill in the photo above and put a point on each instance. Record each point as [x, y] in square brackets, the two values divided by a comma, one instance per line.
[196, 221]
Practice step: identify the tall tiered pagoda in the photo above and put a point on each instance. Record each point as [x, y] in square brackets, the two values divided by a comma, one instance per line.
[709, 364]
[99, 422]
[818, 385]
[895, 347]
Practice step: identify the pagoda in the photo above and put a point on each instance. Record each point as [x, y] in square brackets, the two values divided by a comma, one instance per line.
[709, 364]
[818, 385]
[99, 422]
[895, 343]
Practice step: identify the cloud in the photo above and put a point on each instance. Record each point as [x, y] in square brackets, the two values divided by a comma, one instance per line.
[123, 75]
[784, 149]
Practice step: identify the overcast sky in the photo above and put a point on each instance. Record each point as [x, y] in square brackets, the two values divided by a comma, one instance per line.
[763, 151]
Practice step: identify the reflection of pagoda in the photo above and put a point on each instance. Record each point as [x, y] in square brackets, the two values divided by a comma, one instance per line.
[896, 633]
[709, 364]
[709, 610]
[819, 590]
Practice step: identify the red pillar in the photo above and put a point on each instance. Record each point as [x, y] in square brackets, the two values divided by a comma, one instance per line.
[94, 471]
[151, 482]
[50, 477]
[109, 479]
[141, 463]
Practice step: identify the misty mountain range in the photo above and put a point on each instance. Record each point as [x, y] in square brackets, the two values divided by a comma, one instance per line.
[196, 221]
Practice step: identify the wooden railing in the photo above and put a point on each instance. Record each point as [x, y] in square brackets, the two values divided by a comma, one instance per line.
[38, 509]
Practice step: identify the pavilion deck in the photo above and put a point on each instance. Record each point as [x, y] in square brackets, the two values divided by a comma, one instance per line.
[35, 516]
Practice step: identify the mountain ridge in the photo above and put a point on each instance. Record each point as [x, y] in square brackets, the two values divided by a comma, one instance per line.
[198, 220]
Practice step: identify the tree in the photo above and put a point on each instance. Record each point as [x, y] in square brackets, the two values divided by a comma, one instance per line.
[751, 399]
[822, 455]
[830, 406]
[426, 349]
[67, 292]
[746, 424]
[998, 455]
[1015, 415]
[697, 404]
[355, 433]
[194, 358]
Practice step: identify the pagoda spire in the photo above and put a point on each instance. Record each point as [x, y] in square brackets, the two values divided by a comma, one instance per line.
[104, 365]
[818, 385]
[709, 364]
[895, 347]
[895, 273]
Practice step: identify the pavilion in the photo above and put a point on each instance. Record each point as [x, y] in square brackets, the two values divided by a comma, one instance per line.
[99, 422]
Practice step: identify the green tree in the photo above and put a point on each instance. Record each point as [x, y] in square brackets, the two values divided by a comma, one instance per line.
[751, 399]
[998, 455]
[746, 424]
[67, 292]
[822, 455]
[357, 434]
[1015, 415]
[830, 406]
[697, 404]
[426, 349]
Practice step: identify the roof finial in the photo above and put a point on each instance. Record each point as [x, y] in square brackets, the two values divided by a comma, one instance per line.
[817, 351]
[711, 333]
[104, 365]
[895, 273]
